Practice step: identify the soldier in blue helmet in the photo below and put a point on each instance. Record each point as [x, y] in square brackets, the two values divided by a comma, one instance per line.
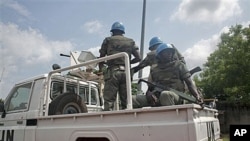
[169, 73]
[150, 59]
[114, 75]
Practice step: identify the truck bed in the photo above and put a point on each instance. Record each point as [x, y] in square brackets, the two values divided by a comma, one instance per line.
[175, 123]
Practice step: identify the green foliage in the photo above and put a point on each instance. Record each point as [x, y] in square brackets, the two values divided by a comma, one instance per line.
[227, 71]
[134, 88]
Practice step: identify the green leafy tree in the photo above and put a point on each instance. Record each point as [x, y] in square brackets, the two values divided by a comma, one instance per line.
[227, 71]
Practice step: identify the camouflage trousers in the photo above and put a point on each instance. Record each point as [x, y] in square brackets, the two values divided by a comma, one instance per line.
[166, 98]
[115, 83]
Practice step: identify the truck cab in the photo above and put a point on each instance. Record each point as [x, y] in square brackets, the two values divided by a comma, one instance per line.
[66, 96]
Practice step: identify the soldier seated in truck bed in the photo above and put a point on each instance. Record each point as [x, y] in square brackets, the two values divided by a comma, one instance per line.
[168, 73]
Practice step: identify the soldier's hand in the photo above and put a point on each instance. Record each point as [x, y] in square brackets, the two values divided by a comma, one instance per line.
[200, 98]
[151, 98]
[200, 102]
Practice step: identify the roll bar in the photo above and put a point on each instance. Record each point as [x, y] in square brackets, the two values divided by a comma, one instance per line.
[110, 57]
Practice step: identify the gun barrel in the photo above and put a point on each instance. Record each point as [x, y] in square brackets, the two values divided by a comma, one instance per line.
[180, 94]
[64, 55]
[194, 70]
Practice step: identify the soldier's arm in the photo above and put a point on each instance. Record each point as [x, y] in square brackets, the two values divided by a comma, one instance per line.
[103, 52]
[141, 65]
[137, 57]
[101, 64]
[186, 76]
[193, 89]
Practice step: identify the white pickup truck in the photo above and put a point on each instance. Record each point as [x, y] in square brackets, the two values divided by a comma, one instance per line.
[67, 107]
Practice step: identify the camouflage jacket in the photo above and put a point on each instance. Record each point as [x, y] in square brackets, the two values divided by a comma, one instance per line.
[171, 75]
[149, 60]
[116, 44]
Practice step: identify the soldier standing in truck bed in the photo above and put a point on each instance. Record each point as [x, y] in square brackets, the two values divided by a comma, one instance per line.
[114, 76]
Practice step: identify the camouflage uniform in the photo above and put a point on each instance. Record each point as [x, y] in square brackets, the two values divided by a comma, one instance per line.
[149, 60]
[177, 55]
[114, 76]
[170, 75]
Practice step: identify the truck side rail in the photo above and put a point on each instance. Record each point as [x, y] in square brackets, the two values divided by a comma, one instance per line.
[46, 101]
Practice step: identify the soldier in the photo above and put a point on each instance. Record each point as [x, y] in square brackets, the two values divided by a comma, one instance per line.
[169, 73]
[150, 59]
[177, 55]
[114, 76]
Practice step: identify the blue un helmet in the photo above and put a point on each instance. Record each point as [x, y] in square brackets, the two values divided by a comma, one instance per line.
[154, 41]
[162, 47]
[118, 26]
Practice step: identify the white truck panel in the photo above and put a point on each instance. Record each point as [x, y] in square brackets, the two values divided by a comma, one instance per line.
[180, 123]
[35, 103]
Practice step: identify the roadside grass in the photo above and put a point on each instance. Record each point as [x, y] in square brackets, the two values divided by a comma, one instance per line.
[225, 137]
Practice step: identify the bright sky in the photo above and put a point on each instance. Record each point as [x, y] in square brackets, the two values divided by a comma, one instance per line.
[34, 32]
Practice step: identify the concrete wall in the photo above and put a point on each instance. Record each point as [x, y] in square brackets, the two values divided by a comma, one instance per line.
[232, 114]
